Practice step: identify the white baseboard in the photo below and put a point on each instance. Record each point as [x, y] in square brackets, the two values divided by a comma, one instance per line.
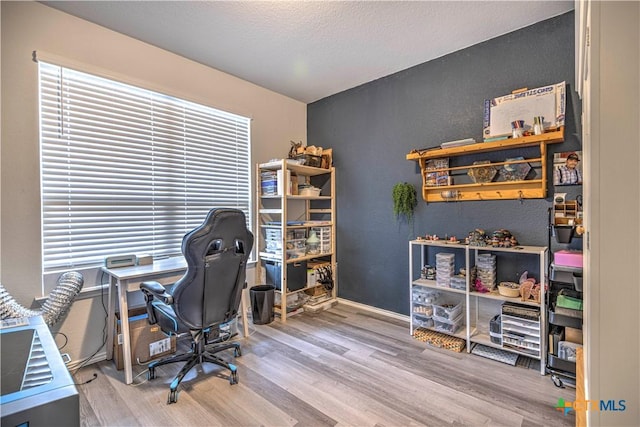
[374, 309]
[98, 357]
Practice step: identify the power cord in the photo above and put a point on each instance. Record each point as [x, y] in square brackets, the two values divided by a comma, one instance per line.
[88, 381]
[104, 336]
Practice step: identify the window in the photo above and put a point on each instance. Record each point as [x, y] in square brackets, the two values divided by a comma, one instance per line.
[127, 170]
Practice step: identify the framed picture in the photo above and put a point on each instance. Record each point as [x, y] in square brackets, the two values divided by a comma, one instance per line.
[567, 168]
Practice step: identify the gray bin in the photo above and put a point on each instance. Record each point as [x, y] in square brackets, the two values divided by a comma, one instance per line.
[262, 299]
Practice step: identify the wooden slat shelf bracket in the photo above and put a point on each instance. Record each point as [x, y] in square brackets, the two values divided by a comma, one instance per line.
[496, 190]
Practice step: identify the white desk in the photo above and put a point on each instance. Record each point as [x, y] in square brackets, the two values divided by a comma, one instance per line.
[128, 279]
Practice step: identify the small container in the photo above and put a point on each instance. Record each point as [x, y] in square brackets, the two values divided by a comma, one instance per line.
[495, 329]
[517, 127]
[422, 321]
[509, 289]
[577, 281]
[447, 311]
[448, 326]
[538, 125]
[313, 244]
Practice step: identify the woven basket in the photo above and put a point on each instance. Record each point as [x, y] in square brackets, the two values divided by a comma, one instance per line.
[507, 291]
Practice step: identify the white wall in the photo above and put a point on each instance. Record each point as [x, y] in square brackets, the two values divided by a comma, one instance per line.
[612, 129]
[29, 26]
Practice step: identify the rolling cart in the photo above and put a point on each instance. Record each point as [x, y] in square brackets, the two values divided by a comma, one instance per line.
[564, 319]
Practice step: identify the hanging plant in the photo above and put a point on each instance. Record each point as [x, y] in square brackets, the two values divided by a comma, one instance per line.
[405, 200]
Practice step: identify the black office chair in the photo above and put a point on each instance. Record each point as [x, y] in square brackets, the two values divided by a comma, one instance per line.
[207, 296]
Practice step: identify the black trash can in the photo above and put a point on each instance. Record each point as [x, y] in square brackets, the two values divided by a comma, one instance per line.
[262, 299]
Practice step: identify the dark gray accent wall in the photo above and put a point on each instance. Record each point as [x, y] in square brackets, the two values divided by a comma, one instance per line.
[372, 128]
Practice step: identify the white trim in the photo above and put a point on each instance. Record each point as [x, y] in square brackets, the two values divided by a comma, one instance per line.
[76, 364]
[52, 58]
[376, 310]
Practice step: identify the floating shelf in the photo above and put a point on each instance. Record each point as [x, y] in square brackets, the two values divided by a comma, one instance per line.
[498, 190]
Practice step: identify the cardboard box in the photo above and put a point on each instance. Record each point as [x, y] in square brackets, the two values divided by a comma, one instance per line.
[147, 341]
[573, 335]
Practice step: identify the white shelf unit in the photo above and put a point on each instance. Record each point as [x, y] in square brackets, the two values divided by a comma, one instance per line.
[479, 306]
[290, 213]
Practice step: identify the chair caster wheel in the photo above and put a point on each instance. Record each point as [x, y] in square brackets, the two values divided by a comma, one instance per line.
[151, 374]
[237, 352]
[173, 397]
[557, 381]
[233, 378]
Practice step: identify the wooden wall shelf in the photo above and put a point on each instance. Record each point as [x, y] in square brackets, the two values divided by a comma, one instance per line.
[495, 190]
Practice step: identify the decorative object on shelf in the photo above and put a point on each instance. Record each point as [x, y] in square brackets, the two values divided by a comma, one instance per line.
[509, 289]
[313, 244]
[538, 125]
[529, 289]
[515, 171]
[482, 174]
[311, 155]
[477, 237]
[503, 238]
[405, 200]
[567, 169]
[449, 194]
[517, 128]
[308, 190]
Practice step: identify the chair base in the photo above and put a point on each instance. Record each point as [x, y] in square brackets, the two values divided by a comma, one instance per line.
[199, 353]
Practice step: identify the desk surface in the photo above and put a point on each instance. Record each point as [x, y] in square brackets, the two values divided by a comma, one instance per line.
[168, 265]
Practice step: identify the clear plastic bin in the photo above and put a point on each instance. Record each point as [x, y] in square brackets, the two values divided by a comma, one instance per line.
[422, 321]
[459, 283]
[448, 326]
[423, 309]
[424, 296]
[447, 311]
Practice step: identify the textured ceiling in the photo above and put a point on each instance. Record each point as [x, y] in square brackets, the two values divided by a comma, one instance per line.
[309, 50]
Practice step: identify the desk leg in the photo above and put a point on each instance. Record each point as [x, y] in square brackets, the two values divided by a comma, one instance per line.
[245, 308]
[111, 318]
[126, 338]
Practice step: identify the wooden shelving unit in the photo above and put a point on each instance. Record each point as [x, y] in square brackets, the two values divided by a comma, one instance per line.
[308, 212]
[495, 190]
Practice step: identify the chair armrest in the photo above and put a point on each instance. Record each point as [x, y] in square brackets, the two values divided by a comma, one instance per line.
[154, 289]
[151, 290]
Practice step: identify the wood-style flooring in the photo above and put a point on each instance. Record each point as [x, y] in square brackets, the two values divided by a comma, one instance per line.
[344, 366]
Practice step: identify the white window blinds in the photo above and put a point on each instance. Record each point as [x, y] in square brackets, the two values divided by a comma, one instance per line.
[127, 170]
